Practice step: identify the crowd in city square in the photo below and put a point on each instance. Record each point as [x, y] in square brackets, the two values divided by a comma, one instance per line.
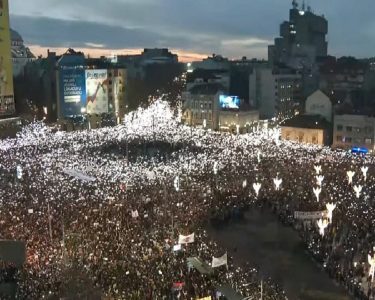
[95, 207]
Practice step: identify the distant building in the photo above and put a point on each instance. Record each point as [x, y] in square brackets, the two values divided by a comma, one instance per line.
[319, 104]
[137, 64]
[202, 108]
[308, 129]
[214, 62]
[243, 121]
[354, 131]
[21, 55]
[275, 93]
[302, 39]
[201, 105]
[158, 56]
[204, 76]
[89, 89]
[7, 105]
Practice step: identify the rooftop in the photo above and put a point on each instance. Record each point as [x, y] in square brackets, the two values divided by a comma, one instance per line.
[207, 89]
[307, 121]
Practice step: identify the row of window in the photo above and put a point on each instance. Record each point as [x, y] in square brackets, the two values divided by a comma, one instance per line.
[367, 129]
[358, 141]
[301, 138]
[204, 105]
[202, 116]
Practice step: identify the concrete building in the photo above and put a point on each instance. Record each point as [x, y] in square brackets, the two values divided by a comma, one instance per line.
[275, 93]
[201, 105]
[7, 104]
[21, 55]
[319, 104]
[214, 62]
[202, 109]
[302, 38]
[243, 121]
[354, 131]
[89, 91]
[203, 76]
[308, 129]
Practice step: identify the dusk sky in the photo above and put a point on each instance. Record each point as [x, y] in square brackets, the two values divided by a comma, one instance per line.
[193, 28]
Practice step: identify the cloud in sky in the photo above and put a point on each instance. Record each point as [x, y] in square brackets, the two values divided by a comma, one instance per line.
[233, 28]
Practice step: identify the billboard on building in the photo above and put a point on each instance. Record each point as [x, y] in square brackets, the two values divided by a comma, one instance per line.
[229, 102]
[97, 88]
[72, 91]
[6, 68]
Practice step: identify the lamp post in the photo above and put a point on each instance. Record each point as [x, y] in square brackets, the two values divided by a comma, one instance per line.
[84, 114]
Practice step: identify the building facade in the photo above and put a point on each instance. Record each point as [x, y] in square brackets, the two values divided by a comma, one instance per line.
[202, 109]
[275, 94]
[319, 104]
[21, 55]
[302, 38]
[307, 129]
[354, 131]
[7, 105]
[201, 105]
[89, 91]
[238, 122]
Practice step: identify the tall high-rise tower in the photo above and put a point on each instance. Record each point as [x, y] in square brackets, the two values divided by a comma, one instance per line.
[6, 72]
[302, 38]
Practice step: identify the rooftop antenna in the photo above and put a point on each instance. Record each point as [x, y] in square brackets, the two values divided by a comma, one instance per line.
[303, 5]
[295, 4]
[309, 6]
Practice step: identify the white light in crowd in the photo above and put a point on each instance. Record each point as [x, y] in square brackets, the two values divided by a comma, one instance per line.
[83, 110]
[238, 129]
[19, 172]
[317, 192]
[319, 180]
[244, 183]
[204, 123]
[371, 261]
[45, 110]
[215, 167]
[259, 155]
[318, 169]
[256, 187]
[276, 136]
[350, 176]
[277, 182]
[357, 190]
[322, 224]
[364, 172]
[330, 208]
[176, 183]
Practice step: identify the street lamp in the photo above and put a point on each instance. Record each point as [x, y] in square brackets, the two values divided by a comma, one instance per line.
[84, 113]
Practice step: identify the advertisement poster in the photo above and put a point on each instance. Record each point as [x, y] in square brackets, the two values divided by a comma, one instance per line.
[97, 86]
[6, 68]
[72, 93]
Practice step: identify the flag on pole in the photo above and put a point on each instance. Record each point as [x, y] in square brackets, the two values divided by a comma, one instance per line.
[186, 239]
[220, 261]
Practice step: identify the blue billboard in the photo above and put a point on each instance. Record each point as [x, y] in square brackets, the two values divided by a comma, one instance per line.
[72, 91]
[229, 102]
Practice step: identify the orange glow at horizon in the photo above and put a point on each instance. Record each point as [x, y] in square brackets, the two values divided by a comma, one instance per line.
[183, 56]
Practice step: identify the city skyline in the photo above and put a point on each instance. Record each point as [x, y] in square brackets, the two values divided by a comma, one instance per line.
[241, 28]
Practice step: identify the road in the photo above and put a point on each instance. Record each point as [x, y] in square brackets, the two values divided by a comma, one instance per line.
[279, 253]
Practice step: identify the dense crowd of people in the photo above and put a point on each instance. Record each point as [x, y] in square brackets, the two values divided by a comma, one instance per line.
[117, 224]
